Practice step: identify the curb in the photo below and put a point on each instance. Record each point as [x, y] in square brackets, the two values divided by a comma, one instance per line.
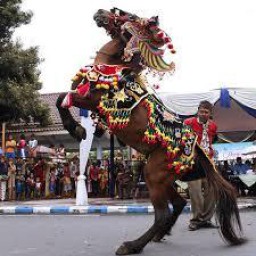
[92, 209]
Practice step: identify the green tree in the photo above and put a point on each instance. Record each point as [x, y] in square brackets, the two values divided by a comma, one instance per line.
[19, 73]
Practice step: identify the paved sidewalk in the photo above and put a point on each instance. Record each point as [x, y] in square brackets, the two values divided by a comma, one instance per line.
[95, 206]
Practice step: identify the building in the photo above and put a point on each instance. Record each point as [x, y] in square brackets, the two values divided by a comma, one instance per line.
[55, 133]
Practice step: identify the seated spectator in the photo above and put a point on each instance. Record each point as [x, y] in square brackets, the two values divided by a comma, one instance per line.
[226, 170]
[10, 147]
[240, 168]
[21, 145]
[32, 144]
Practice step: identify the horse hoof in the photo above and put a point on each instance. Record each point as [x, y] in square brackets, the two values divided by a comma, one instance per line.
[126, 249]
[158, 239]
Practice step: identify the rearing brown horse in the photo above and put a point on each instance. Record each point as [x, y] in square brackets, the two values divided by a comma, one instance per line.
[135, 44]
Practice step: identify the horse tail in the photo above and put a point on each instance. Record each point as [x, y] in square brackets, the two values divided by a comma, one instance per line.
[227, 212]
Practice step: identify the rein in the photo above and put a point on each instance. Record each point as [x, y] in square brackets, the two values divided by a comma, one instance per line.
[104, 53]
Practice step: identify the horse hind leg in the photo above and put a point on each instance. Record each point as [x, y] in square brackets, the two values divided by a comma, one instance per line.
[69, 123]
[178, 203]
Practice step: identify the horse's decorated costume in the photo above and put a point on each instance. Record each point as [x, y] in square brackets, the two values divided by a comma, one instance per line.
[115, 90]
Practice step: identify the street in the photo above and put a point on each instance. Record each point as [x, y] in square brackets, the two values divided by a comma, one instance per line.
[89, 235]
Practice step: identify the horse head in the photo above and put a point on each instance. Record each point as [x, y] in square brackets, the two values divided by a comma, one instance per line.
[113, 20]
[140, 36]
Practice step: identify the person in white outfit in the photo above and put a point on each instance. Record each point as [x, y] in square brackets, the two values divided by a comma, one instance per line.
[32, 144]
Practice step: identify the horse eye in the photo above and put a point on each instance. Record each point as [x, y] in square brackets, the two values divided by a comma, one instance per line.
[105, 21]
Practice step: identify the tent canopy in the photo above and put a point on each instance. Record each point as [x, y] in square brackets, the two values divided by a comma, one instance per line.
[234, 110]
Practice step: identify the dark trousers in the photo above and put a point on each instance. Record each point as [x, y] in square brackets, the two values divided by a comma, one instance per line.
[95, 187]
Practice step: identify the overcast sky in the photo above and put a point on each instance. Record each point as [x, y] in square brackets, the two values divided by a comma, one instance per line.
[215, 40]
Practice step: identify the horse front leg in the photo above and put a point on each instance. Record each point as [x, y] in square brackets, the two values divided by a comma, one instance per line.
[178, 203]
[70, 124]
[136, 246]
[162, 217]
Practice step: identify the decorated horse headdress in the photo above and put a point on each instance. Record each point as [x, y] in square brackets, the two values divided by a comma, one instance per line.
[142, 36]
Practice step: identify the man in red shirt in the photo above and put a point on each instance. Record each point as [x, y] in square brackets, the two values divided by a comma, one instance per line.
[202, 198]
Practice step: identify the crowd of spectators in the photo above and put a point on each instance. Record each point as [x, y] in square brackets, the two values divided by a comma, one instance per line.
[126, 178]
[36, 178]
[25, 176]
[231, 170]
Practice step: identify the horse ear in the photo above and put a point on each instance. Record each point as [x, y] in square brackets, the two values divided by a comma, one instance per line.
[154, 20]
[113, 10]
[118, 11]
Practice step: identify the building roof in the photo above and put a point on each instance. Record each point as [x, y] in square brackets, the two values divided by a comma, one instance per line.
[50, 100]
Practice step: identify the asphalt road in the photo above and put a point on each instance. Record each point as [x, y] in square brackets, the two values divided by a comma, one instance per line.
[93, 235]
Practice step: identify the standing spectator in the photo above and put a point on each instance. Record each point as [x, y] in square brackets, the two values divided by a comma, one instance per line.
[202, 198]
[3, 178]
[20, 165]
[67, 187]
[103, 181]
[59, 180]
[1, 151]
[124, 178]
[21, 145]
[30, 184]
[61, 154]
[11, 179]
[20, 181]
[10, 147]
[41, 169]
[38, 188]
[53, 154]
[94, 177]
[32, 144]
[53, 181]
[119, 179]
[73, 167]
